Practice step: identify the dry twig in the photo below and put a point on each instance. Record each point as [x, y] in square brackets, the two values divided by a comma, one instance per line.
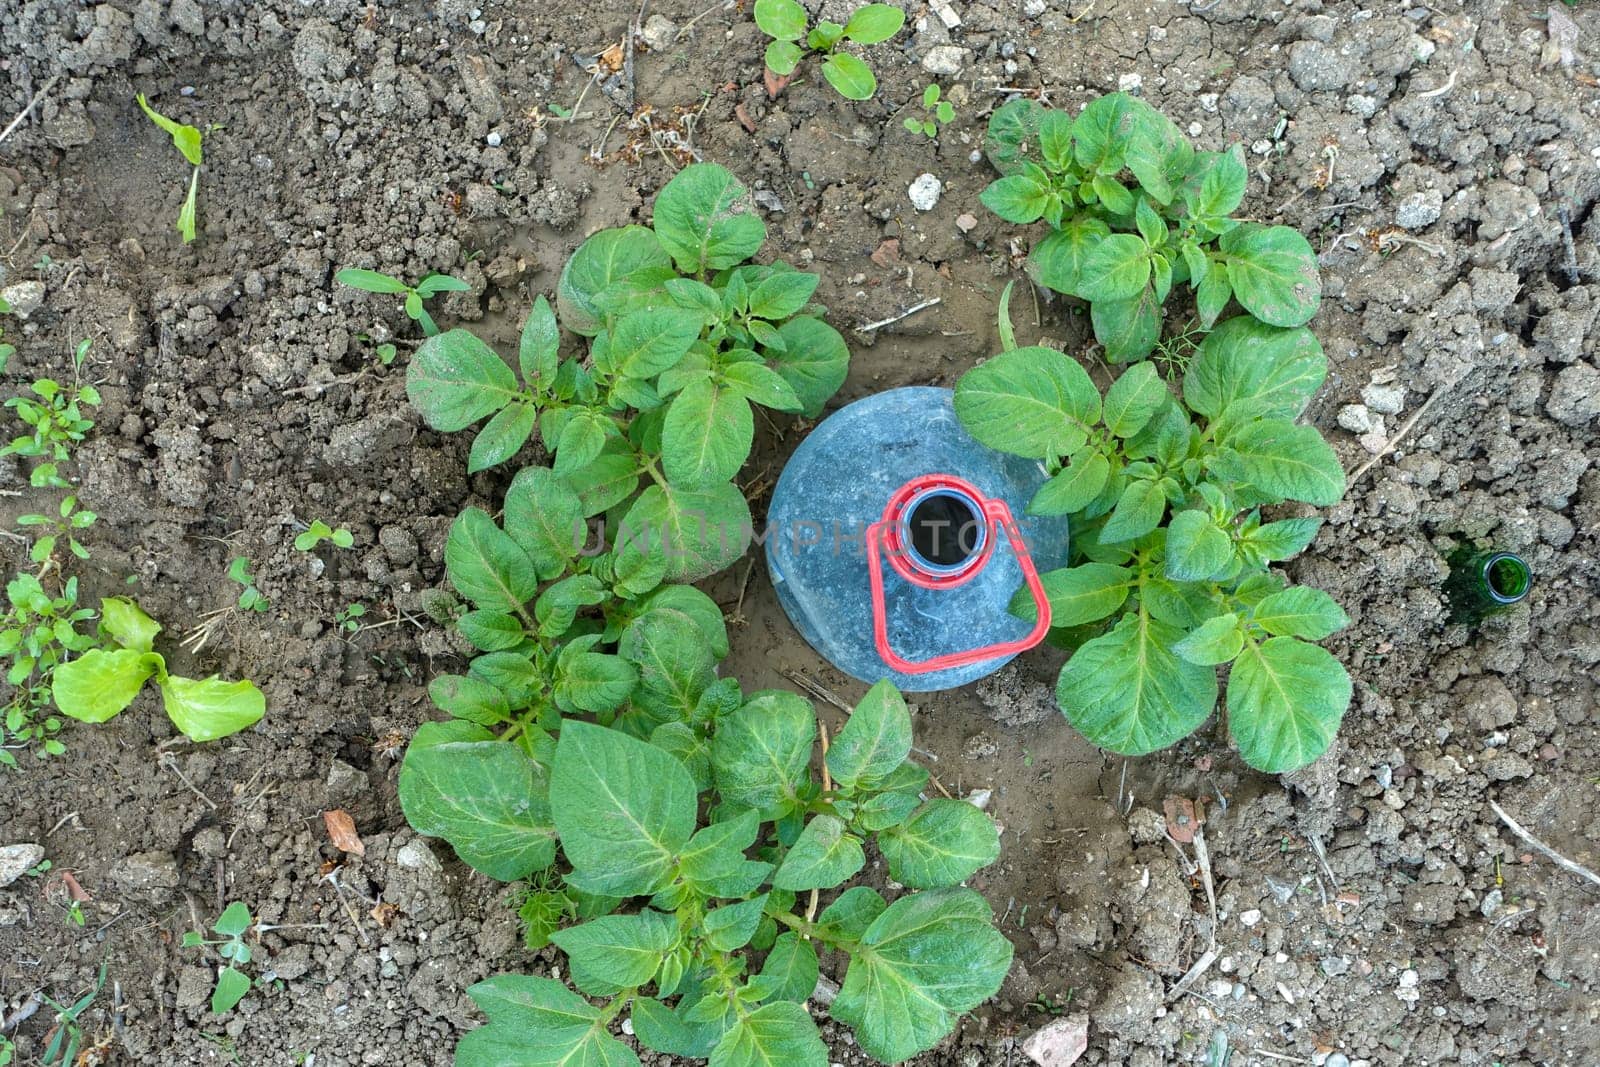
[32, 100]
[1555, 857]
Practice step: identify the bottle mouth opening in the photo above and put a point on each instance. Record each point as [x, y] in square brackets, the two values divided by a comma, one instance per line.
[1507, 577]
[943, 531]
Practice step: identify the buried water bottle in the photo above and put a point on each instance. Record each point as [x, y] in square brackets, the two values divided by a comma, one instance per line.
[896, 544]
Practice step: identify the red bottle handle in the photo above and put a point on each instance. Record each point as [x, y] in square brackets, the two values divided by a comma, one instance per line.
[997, 514]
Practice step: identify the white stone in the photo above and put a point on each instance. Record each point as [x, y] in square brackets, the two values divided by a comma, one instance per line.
[1419, 210]
[17, 860]
[924, 192]
[1130, 83]
[1250, 918]
[1384, 399]
[1034, 8]
[24, 298]
[1058, 1043]
[1356, 418]
[659, 32]
[417, 856]
[1376, 441]
[945, 59]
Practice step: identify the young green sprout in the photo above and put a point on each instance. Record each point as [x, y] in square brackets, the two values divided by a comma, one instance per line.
[319, 532]
[785, 22]
[372, 281]
[232, 983]
[250, 599]
[349, 617]
[937, 112]
[187, 140]
[57, 419]
[6, 350]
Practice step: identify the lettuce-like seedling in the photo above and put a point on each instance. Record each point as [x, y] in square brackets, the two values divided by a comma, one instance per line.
[187, 140]
[1171, 578]
[785, 22]
[102, 682]
[936, 113]
[1134, 211]
[232, 983]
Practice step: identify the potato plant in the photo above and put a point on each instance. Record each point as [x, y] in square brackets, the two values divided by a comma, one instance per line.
[1170, 578]
[673, 837]
[785, 21]
[1134, 211]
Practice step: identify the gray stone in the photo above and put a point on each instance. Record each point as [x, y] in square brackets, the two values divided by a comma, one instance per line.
[24, 298]
[659, 32]
[345, 782]
[946, 59]
[417, 856]
[16, 860]
[1575, 396]
[1355, 418]
[1384, 399]
[1419, 210]
[147, 870]
[1318, 67]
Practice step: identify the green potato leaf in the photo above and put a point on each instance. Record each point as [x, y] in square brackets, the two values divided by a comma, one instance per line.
[616, 952]
[1273, 273]
[538, 1022]
[1244, 361]
[697, 531]
[500, 439]
[1018, 198]
[762, 753]
[778, 1033]
[1133, 399]
[1078, 595]
[707, 435]
[231, 987]
[1128, 328]
[921, 964]
[539, 347]
[1138, 511]
[489, 800]
[761, 384]
[814, 361]
[792, 967]
[703, 219]
[824, 855]
[1300, 611]
[544, 516]
[1013, 134]
[1216, 641]
[874, 742]
[1074, 488]
[1129, 693]
[605, 258]
[1057, 262]
[1286, 699]
[943, 844]
[1032, 402]
[1284, 460]
[623, 808]
[646, 342]
[674, 661]
[1197, 549]
[486, 565]
[455, 379]
[1116, 268]
[781, 294]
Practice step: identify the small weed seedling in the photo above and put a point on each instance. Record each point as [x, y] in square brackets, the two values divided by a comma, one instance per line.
[385, 353]
[187, 140]
[250, 599]
[104, 681]
[319, 532]
[66, 1036]
[58, 421]
[38, 633]
[65, 524]
[785, 22]
[371, 281]
[232, 983]
[937, 113]
[348, 618]
[6, 350]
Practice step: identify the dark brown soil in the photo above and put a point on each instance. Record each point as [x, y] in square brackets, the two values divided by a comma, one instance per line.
[1371, 907]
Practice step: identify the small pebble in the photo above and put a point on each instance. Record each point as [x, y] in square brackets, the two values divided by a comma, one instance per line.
[1384, 399]
[1250, 918]
[493, 140]
[924, 192]
[1357, 418]
[966, 222]
[1130, 83]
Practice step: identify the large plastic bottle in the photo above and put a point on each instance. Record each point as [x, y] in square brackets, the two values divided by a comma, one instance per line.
[896, 542]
